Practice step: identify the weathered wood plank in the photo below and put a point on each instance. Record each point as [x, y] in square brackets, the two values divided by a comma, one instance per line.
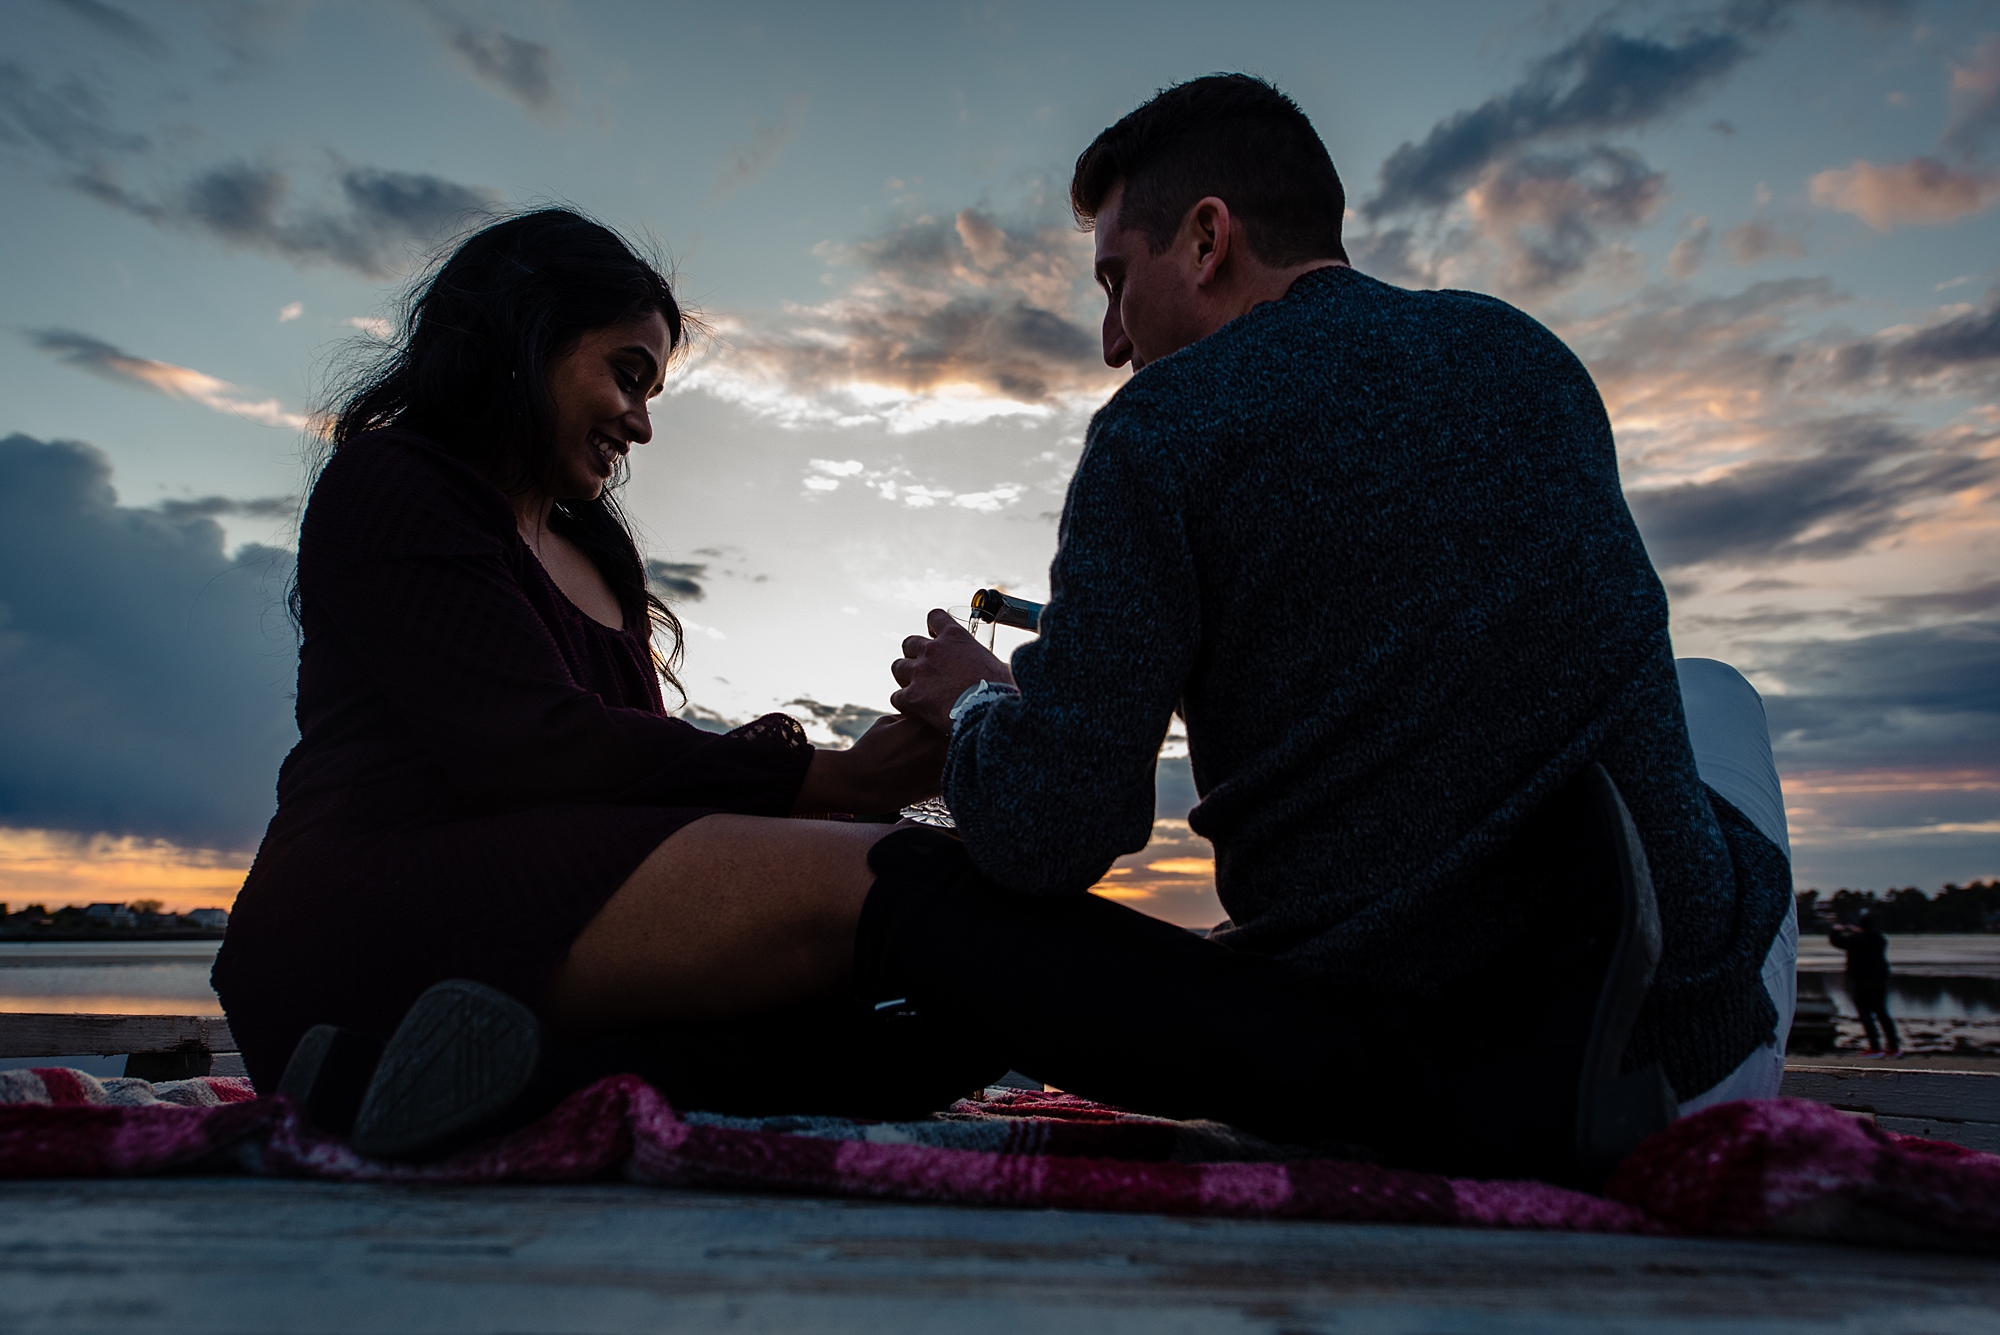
[1962, 1096]
[230, 1255]
[1973, 1135]
[55, 1035]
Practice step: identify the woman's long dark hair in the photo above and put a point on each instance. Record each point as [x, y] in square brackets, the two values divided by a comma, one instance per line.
[468, 368]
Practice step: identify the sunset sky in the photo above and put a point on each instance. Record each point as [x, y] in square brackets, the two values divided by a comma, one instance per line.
[1769, 229]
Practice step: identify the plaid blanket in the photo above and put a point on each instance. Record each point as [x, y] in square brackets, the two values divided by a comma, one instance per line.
[1778, 1167]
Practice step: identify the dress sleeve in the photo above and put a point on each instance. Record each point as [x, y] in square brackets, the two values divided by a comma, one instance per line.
[1050, 786]
[411, 567]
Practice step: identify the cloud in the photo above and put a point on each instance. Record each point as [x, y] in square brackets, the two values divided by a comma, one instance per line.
[1546, 211]
[767, 138]
[1922, 191]
[1601, 81]
[1961, 349]
[1904, 608]
[512, 66]
[1864, 481]
[176, 382]
[208, 507]
[845, 721]
[1975, 88]
[67, 120]
[896, 482]
[707, 719]
[147, 691]
[1685, 259]
[677, 579]
[291, 311]
[377, 221]
[1926, 697]
[1666, 365]
[958, 319]
[116, 24]
[1757, 240]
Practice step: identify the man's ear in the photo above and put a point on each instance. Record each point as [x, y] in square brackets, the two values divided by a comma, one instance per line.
[1213, 235]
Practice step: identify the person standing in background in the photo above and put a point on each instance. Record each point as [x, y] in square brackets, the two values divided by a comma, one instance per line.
[1868, 979]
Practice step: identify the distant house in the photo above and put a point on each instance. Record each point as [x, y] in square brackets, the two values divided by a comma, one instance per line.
[216, 918]
[110, 915]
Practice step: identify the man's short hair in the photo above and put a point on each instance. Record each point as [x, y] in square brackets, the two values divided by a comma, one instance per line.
[1228, 135]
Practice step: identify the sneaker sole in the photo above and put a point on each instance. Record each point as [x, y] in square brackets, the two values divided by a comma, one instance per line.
[1617, 1109]
[461, 1057]
[328, 1075]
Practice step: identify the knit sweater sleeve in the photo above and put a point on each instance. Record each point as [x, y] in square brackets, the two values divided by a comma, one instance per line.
[1049, 787]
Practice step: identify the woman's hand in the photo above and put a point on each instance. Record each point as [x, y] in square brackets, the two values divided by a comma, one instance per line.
[936, 669]
[897, 762]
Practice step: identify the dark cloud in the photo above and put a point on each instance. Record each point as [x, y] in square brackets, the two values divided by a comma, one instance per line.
[677, 580]
[378, 219]
[1965, 344]
[513, 66]
[848, 721]
[67, 120]
[209, 507]
[369, 220]
[1910, 697]
[707, 719]
[1904, 608]
[116, 24]
[1853, 489]
[144, 673]
[1550, 209]
[1601, 81]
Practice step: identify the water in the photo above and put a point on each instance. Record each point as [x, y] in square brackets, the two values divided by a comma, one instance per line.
[1944, 991]
[109, 977]
[112, 977]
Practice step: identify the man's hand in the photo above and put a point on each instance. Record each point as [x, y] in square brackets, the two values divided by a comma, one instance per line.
[936, 669]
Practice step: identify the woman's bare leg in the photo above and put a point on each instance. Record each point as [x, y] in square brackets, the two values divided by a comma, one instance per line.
[729, 916]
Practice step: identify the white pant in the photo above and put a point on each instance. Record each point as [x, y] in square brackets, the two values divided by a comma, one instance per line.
[1732, 753]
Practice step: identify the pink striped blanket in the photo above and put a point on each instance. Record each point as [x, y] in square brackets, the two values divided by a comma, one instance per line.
[1781, 1167]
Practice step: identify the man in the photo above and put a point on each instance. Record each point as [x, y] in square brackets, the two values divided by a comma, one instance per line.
[1370, 543]
[1868, 979]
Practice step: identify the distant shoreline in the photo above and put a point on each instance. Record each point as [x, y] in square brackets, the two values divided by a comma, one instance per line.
[109, 935]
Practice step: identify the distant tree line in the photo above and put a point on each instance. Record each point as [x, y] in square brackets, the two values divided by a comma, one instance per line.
[1956, 908]
[140, 917]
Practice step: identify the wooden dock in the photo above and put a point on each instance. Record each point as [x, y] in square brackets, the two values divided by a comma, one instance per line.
[231, 1255]
[238, 1254]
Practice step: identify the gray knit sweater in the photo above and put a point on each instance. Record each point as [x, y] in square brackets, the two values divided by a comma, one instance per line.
[1372, 542]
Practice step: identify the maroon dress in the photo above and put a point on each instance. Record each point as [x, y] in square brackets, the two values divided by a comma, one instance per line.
[480, 765]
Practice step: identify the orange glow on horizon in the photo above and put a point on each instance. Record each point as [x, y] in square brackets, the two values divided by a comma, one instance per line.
[55, 868]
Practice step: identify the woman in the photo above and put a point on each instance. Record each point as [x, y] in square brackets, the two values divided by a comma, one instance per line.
[487, 785]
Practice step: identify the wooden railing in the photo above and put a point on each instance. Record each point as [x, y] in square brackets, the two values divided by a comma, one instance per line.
[155, 1047]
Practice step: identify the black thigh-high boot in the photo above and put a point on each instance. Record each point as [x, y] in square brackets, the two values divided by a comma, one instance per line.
[1105, 1002]
[834, 1056]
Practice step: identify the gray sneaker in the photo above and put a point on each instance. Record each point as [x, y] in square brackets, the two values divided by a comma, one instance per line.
[459, 1061]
